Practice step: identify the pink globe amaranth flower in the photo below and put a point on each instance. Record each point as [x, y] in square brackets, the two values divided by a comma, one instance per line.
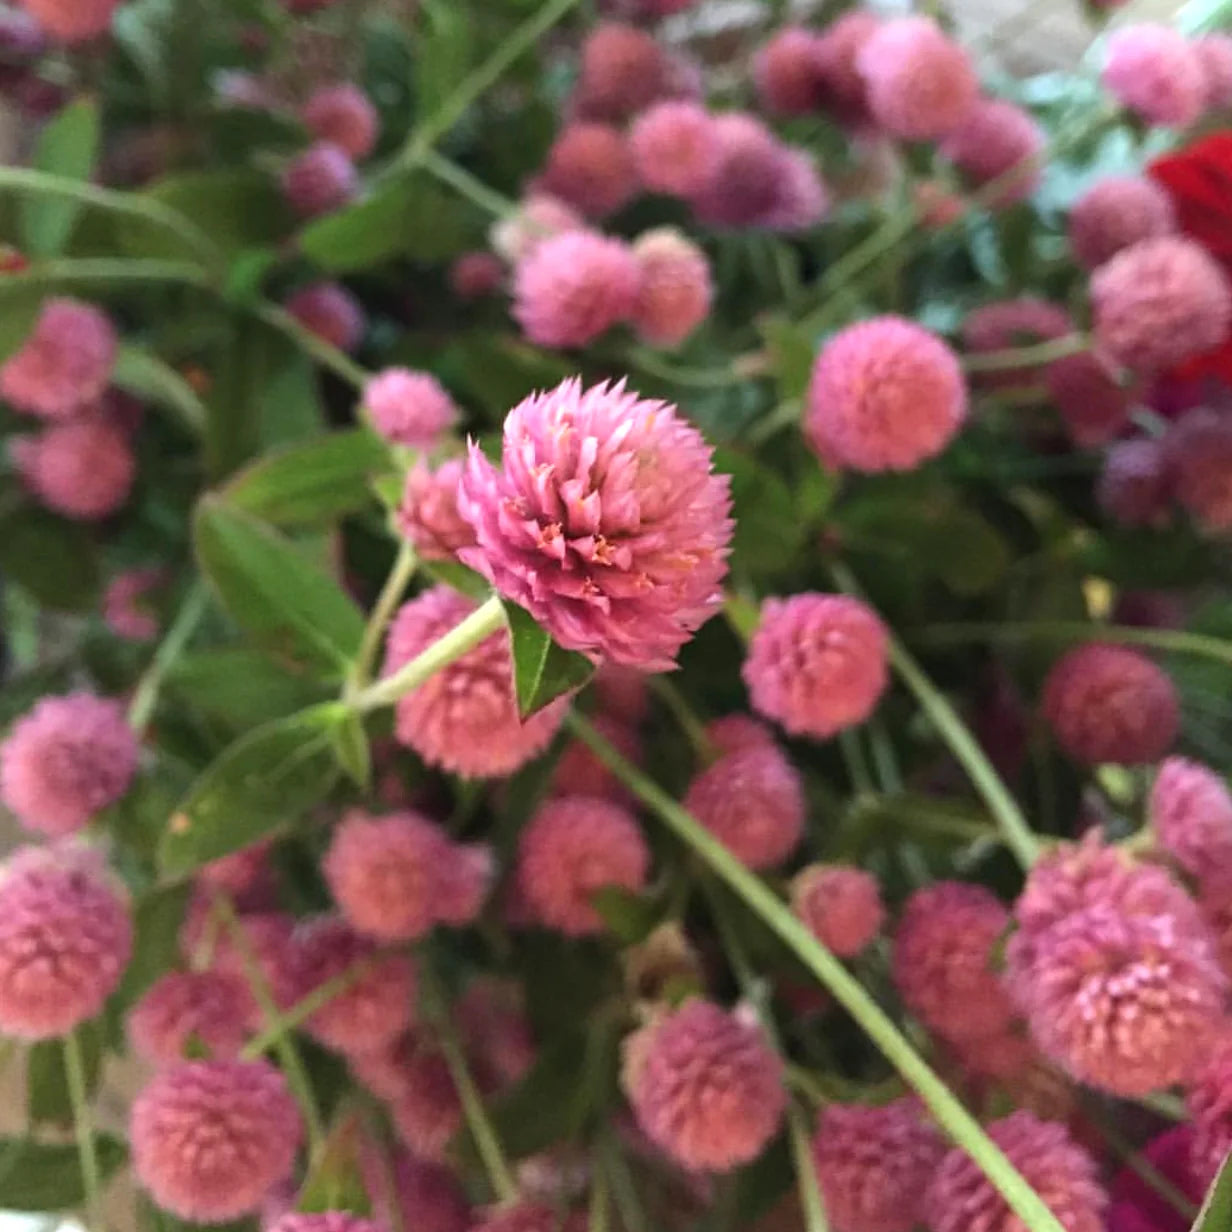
[675, 147]
[530, 1217]
[428, 515]
[998, 141]
[885, 394]
[744, 185]
[1209, 1103]
[475, 275]
[1116, 213]
[844, 93]
[921, 84]
[943, 959]
[21, 37]
[1160, 301]
[590, 167]
[961, 1198]
[1136, 484]
[573, 847]
[212, 1009]
[396, 877]
[787, 72]
[65, 363]
[409, 408]
[574, 287]
[239, 873]
[1135, 1206]
[427, 1109]
[125, 611]
[623, 70]
[674, 290]
[840, 904]
[705, 1086]
[623, 693]
[331, 312]
[1214, 53]
[538, 218]
[320, 180]
[605, 522]
[752, 801]
[204, 939]
[1154, 71]
[1090, 399]
[325, 1221]
[210, 1139]
[937, 205]
[495, 1031]
[1190, 811]
[426, 1196]
[579, 772]
[817, 663]
[874, 1165]
[801, 199]
[72, 21]
[734, 733]
[1011, 323]
[65, 761]
[83, 469]
[1198, 451]
[1109, 703]
[465, 718]
[343, 115]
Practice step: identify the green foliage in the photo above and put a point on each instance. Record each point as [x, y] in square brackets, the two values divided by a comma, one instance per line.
[542, 670]
[68, 147]
[47, 1092]
[1216, 1213]
[41, 1176]
[54, 559]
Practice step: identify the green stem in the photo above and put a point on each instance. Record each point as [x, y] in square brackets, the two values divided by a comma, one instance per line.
[84, 271]
[742, 368]
[467, 185]
[1035, 356]
[83, 1124]
[688, 722]
[600, 1204]
[387, 602]
[325, 353]
[857, 767]
[842, 985]
[888, 774]
[806, 1171]
[145, 696]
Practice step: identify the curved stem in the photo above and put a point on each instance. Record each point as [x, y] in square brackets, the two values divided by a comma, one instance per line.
[806, 1171]
[467, 185]
[145, 696]
[83, 1124]
[742, 368]
[395, 584]
[1035, 356]
[325, 353]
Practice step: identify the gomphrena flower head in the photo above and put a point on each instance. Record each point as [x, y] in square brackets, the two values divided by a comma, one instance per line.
[428, 515]
[266, 940]
[344, 116]
[239, 873]
[787, 71]
[474, 275]
[1089, 396]
[674, 289]
[961, 1198]
[1134, 1206]
[744, 183]
[1214, 52]
[1006, 324]
[72, 21]
[426, 1107]
[326, 1221]
[83, 469]
[1198, 450]
[465, 718]
[1160, 301]
[1190, 811]
[622, 71]
[210, 1139]
[331, 312]
[1209, 1102]
[396, 877]
[705, 1086]
[127, 611]
[529, 1216]
[214, 1010]
[921, 84]
[817, 663]
[1115, 213]
[997, 141]
[64, 365]
[874, 1164]
[845, 95]
[752, 801]
[573, 847]
[578, 772]
[605, 521]
[801, 199]
[675, 147]
[944, 956]
[573, 287]
[320, 180]
[736, 732]
[538, 218]
[1136, 484]
[427, 1196]
[495, 1030]
[623, 692]
[65, 761]
[1154, 71]
[590, 167]
[840, 904]
[1108, 703]
[409, 408]
[885, 394]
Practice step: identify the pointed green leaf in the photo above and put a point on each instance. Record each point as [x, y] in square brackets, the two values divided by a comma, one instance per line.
[68, 147]
[239, 687]
[353, 751]
[1216, 1212]
[542, 671]
[143, 374]
[41, 1176]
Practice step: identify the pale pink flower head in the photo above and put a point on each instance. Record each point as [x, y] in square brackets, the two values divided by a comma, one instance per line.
[845, 94]
[874, 1164]
[464, 719]
[538, 218]
[211, 1139]
[474, 275]
[428, 515]
[1198, 451]
[1092, 402]
[961, 1198]
[426, 1195]
[1154, 71]
[1136, 484]
[840, 904]
[396, 877]
[211, 1009]
[409, 408]
[787, 71]
[320, 180]
[817, 663]
[752, 801]
[528, 1216]
[331, 312]
[705, 1086]
[325, 1221]
[126, 611]
[1109, 703]
[573, 847]
[622, 71]
[885, 395]
[744, 185]
[921, 84]
[1006, 324]
[998, 141]
[606, 522]
[72, 21]
[64, 365]
[65, 761]
[1159, 302]
[83, 469]
[1209, 1102]
[675, 147]
[1190, 811]
[674, 290]
[344, 116]
[1214, 52]
[590, 167]
[1115, 213]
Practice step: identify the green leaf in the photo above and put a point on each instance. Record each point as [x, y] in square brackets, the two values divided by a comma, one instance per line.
[769, 531]
[453, 573]
[1216, 1212]
[143, 374]
[542, 671]
[139, 817]
[239, 687]
[67, 147]
[264, 780]
[353, 751]
[792, 353]
[41, 1176]
[289, 605]
[156, 941]
[630, 917]
[443, 53]
[54, 559]
[47, 1097]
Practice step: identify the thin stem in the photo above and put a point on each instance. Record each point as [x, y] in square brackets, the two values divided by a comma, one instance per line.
[1035, 356]
[145, 696]
[688, 722]
[806, 1170]
[325, 353]
[387, 602]
[843, 986]
[105, 269]
[888, 775]
[600, 1203]
[624, 1187]
[467, 185]
[695, 378]
[83, 1124]
[857, 767]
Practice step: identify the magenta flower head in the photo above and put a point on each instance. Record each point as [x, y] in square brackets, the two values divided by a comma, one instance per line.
[705, 1086]
[817, 663]
[736, 732]
[885, 395]
[126, 610]
[962, 1198]
[1010, 323]
[211, 1009]
[605, 522]
[998, 141]
[590, 167]
[801, 199]
[427, 1196]
[331, 312]
[83, 469]
[623, 70]
[320, 180]
[64, 365]
[1198, 451]
[744, 185]
[428, 515]
[426, 1107]
[1109, 703]
[409, 408]
[72, 21]
[752, 801]
[1116, 213]
[1209, 1101]
[1159, 302]
[1135, 1206]
[396, 877]
[845, 95]
[325, 1221]
[579, 772]
[674, 291]
[538, 218]
[787, 72]
[573, 847]
[343, 115]
[874, 1165]
[210, 1139]
[840, 904]
[1154, 71]
[1089, 397]
[464, 719]
[573, 287]
[496, 1031]
[1136, 484]
[65, 939]
[530, 1217]
[66, 761]
[1190, 811]
[1214, 52]
[474, 275]
[675, 147]
[921, 84]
